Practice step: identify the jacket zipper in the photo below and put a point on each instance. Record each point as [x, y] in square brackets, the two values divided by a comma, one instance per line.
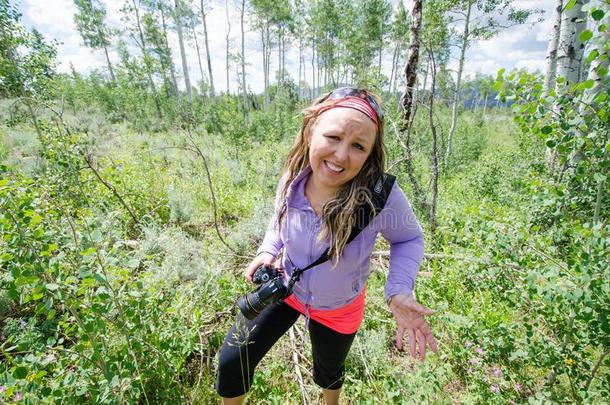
[310, 276]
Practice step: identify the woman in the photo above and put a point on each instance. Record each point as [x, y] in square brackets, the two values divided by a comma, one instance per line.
[331, 169]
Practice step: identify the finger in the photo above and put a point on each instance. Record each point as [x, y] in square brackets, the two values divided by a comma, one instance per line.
[248, 274]
[400, 331]
[421, 341]
[412, 349]
[431, 342]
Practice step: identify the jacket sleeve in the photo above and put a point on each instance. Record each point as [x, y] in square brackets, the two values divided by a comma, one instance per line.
[400, 228]
[272, 242]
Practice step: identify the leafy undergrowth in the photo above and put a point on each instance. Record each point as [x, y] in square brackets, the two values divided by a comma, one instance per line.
[117, 288]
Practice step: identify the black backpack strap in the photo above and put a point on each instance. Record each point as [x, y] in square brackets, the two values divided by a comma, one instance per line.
[364, 215]
[379, 195]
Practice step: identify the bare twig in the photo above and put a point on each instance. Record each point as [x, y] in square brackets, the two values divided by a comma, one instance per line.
[207, 171]
[110, 187]
[596, 368]
[297, 369]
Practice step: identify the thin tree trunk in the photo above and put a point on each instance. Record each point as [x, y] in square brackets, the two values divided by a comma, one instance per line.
[112, 77]
[600, 192]
[551, 58]
[151, 83]
[99, 33]
[185, 69]
[279, 62]
[392, 85]
[380, 49]
[434, 148]
[425, 83]
[265, 68]
[207, 50]
[172, 70]
[300, 64]
[600, 63]
[228, 38]
[203, 78]
[243, 61]
[458, 83]
[407, 103]
[485, 105]
[313, 68]
[412, 63]
[569, 54]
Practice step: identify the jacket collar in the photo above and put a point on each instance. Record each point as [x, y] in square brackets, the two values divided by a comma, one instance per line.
[295, 197]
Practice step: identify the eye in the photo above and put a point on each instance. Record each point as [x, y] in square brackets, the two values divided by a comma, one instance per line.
[333, 137]
[358, 146]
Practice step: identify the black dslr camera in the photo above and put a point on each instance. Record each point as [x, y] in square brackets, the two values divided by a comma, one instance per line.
[271, 289]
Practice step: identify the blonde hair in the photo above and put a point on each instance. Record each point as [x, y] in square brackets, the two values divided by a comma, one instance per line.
[338, 214]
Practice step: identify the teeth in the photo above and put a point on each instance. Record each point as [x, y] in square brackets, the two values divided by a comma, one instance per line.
[333, 167]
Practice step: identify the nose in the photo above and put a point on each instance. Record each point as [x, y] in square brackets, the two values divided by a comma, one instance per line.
[341, 152]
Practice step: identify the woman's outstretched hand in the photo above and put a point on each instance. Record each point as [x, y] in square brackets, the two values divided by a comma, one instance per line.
[263, 258]
[409, 316]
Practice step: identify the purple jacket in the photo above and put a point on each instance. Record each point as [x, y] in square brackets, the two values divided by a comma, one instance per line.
[324, 287]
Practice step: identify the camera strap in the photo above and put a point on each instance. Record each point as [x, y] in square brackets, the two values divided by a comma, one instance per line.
[364, 215]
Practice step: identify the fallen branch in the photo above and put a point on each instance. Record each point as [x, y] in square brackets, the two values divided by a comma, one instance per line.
[440, 256]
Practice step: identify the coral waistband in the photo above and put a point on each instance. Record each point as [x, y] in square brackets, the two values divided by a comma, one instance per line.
[345, 319]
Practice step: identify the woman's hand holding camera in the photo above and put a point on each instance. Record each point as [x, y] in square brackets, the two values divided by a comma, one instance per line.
[263, 258]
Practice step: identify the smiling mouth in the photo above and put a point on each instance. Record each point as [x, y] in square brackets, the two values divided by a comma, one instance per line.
[333, 167]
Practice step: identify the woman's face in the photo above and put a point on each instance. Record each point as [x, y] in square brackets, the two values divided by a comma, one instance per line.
[341, 139]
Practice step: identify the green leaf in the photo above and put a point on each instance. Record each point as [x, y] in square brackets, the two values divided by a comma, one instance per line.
[19, 372]
[51, 286]
[133, 263]
[569, 5]
[96, 236]
[597, 15]
[585, 35]
[547, 129]
[592, 55]
[25, 280]
[588, 84]
[599, 177]
[551, 143]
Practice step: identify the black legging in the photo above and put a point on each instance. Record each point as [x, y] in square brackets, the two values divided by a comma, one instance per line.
[248, 341]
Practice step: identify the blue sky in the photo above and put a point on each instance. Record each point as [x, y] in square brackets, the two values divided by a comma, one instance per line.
[517, 47]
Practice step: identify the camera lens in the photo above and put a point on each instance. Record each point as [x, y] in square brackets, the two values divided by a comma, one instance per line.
[252, 304]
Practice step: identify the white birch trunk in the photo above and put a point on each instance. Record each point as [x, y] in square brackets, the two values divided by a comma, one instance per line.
[144, 50]
[599, 63]
[228, 67]
[458, 83]
[207, 50]
[203, 78]
[243, 61]
[569, 54]
[172, 71]
[185, 70]
[551, 57]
